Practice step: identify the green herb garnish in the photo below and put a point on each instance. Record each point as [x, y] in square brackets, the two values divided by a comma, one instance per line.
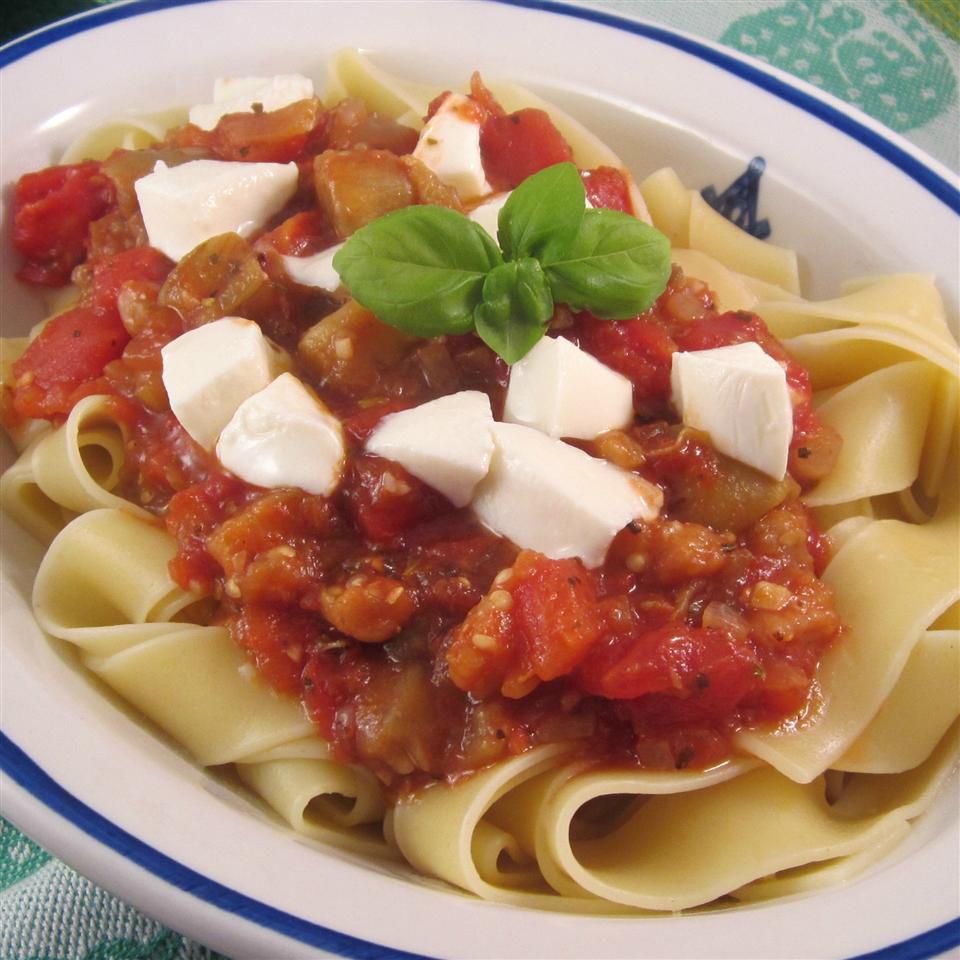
[428, 270]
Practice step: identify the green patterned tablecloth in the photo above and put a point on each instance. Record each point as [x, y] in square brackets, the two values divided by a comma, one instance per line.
[898, 61]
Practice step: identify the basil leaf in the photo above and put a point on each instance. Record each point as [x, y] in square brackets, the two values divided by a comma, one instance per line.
[616, 267]
[542, 216]
[420, 269]
[515, 309]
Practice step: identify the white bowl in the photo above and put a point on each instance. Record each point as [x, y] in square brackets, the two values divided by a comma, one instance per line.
[123, 806]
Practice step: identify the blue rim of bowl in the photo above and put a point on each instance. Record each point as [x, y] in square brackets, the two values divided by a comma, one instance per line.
[24, 771]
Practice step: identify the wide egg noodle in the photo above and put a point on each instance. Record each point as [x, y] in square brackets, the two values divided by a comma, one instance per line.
[104, 586]
[883, 419]
[668, 201]
[914, 718]
[69, 470]
[689, 845]
[135, 132]
[730, 290]
[22, 500]
[328, 801]
[735, 248]
[902, 798]
[351, 74]
[891, 579]
[445, 831]
[908, 303]
[78, 464]
[840, 355]
[689, 221]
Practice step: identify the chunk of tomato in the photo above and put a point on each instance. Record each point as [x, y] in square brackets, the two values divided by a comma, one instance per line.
[638, 348]
[695, 673]
[385, 500]
[70, 352]
[52, 212]
[607, 189]
[537, 624]
[111, 273]
[515, 146]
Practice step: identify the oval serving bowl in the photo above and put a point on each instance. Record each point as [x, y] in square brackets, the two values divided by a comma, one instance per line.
[99, 789]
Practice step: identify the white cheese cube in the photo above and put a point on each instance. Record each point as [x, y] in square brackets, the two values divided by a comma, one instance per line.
[284, 436]
[565, 392]
[209, 371]
[316, 270]
[446, 443]
[487, 214]
[239, 94]
[184, 205]
[449, 145]
[546, 495]
[738, 395]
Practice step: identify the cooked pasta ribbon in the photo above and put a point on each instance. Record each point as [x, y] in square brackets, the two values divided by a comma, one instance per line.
[104, 586]
[134, 132]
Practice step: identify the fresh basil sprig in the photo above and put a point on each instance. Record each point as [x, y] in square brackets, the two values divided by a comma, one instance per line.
[428, 270]
[516, 307]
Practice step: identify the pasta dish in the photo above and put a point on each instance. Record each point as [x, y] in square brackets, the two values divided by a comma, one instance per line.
[472, 503]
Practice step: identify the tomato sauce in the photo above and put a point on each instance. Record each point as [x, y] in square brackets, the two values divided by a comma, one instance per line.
[421, 644]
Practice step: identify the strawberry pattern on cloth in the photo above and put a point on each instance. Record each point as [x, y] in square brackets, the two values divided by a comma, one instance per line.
[898, 61]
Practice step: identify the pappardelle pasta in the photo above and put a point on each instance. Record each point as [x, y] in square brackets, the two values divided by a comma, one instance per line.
[552, 595]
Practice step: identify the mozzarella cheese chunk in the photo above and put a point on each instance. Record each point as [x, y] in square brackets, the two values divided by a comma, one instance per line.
[184, 205]
[239, 94]
[449, 145]
[284, 436]
[316, 270]
[446, 443]
[546, 495]
[209, 371]
[738, 395]
[487, 214]
[565, 392]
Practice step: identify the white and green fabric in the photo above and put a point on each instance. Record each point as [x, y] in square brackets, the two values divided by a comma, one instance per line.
[896, 60]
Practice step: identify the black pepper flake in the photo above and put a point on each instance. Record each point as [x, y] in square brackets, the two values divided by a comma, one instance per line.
[684, 757]
[514, 118]
[702, 681]
[804, 452]
[307, 683]
[634, 526]
[728, 547]
[243, 151]
[77, 333]
[573, 581]
[214, 258]
[501, 735]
